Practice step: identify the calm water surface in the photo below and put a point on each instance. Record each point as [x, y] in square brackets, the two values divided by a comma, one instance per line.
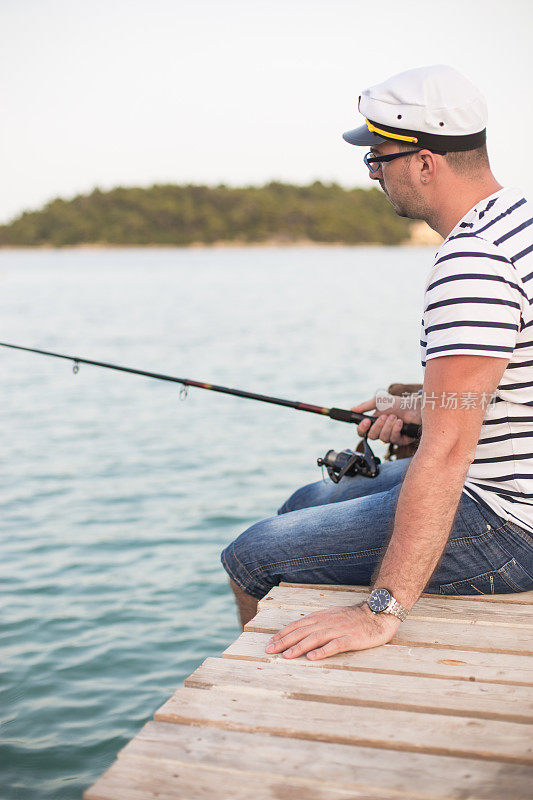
[117, 498]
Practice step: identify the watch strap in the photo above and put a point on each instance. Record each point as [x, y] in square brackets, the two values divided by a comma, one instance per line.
[397, 609]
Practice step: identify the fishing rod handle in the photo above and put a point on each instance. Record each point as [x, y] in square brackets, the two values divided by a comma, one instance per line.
[408, 428]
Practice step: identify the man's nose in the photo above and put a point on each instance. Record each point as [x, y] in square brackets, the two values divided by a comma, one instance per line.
[376, 176]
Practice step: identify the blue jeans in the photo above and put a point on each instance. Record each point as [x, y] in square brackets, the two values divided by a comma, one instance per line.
[336, 534]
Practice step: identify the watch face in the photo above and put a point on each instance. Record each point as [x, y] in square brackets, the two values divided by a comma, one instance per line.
[379, 600]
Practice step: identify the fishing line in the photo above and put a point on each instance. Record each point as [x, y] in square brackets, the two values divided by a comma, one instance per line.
[339, 414]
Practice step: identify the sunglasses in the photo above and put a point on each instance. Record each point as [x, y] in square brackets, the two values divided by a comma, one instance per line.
[374, 162]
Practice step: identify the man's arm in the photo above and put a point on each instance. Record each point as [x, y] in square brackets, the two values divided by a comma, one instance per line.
[425, 511]
[433, 483]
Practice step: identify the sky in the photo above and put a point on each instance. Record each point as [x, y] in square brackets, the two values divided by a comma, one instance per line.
[101, 93]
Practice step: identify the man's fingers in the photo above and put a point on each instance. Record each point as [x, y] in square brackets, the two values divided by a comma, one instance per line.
[387, 428]
[291, 639]
[310, 642]
[376, 431]
[397, 437]
[295, 630]
[331, 648]
[396, 431]
[308, 619]
[366, 405]
[364, 427]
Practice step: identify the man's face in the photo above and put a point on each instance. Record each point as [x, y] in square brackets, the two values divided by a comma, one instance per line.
[398, 183]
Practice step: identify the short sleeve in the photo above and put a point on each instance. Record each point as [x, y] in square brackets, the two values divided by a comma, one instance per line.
[473, 302]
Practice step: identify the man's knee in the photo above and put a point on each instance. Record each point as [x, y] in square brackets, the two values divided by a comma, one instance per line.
[242, 560]
[313, 494]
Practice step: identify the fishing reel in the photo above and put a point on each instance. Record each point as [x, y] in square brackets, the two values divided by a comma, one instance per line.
[349, 462]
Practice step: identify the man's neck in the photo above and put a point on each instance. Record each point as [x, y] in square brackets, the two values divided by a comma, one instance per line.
[458, 200]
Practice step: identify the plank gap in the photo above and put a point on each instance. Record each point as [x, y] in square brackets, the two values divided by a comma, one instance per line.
[331, 739]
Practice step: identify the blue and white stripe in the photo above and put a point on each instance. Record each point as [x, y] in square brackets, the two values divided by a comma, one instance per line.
[479, 301]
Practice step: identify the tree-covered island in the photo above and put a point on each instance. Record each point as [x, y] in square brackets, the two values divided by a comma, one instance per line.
[185, 215]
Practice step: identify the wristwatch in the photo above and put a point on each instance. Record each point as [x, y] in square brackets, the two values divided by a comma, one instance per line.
[381, 601]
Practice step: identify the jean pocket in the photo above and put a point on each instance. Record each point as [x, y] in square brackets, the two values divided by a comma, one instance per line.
[511, 577]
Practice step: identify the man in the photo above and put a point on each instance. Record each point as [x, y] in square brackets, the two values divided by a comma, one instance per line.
[458, 516]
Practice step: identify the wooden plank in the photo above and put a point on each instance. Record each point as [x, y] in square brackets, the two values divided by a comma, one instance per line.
[396, 692]
[143, 779]
[266, 711]
[427, 608]
[512, 597]
[421, 632]
[394, 658]
[352, 767]
[441, 713]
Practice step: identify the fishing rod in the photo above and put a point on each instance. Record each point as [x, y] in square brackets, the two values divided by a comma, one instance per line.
[339, 463]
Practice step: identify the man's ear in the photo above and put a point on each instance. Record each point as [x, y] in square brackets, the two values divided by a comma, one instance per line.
[427, 165]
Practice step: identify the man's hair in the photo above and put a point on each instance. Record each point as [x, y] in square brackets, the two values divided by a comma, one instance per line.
[464, 162]
[469, 162]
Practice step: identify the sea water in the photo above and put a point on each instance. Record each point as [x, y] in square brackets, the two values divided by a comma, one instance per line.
[117, 497]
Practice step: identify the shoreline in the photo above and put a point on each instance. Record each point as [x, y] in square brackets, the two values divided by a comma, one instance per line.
[214, 246]
[420, 235]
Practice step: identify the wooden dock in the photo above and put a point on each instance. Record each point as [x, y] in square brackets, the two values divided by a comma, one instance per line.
[443, 711]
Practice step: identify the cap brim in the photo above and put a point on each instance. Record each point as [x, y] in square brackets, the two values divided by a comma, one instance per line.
[362, 137]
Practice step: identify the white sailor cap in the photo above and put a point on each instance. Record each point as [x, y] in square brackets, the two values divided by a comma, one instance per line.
[434, 107]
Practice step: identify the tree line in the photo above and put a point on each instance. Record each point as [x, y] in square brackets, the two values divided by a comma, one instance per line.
[185, 215]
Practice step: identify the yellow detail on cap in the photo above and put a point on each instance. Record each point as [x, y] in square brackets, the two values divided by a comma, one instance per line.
[389, 135]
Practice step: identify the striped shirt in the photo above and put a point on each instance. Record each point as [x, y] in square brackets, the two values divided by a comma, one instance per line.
[478, 301]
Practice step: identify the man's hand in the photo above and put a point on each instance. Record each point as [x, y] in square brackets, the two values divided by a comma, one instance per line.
[334, 630]
[389, 423]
